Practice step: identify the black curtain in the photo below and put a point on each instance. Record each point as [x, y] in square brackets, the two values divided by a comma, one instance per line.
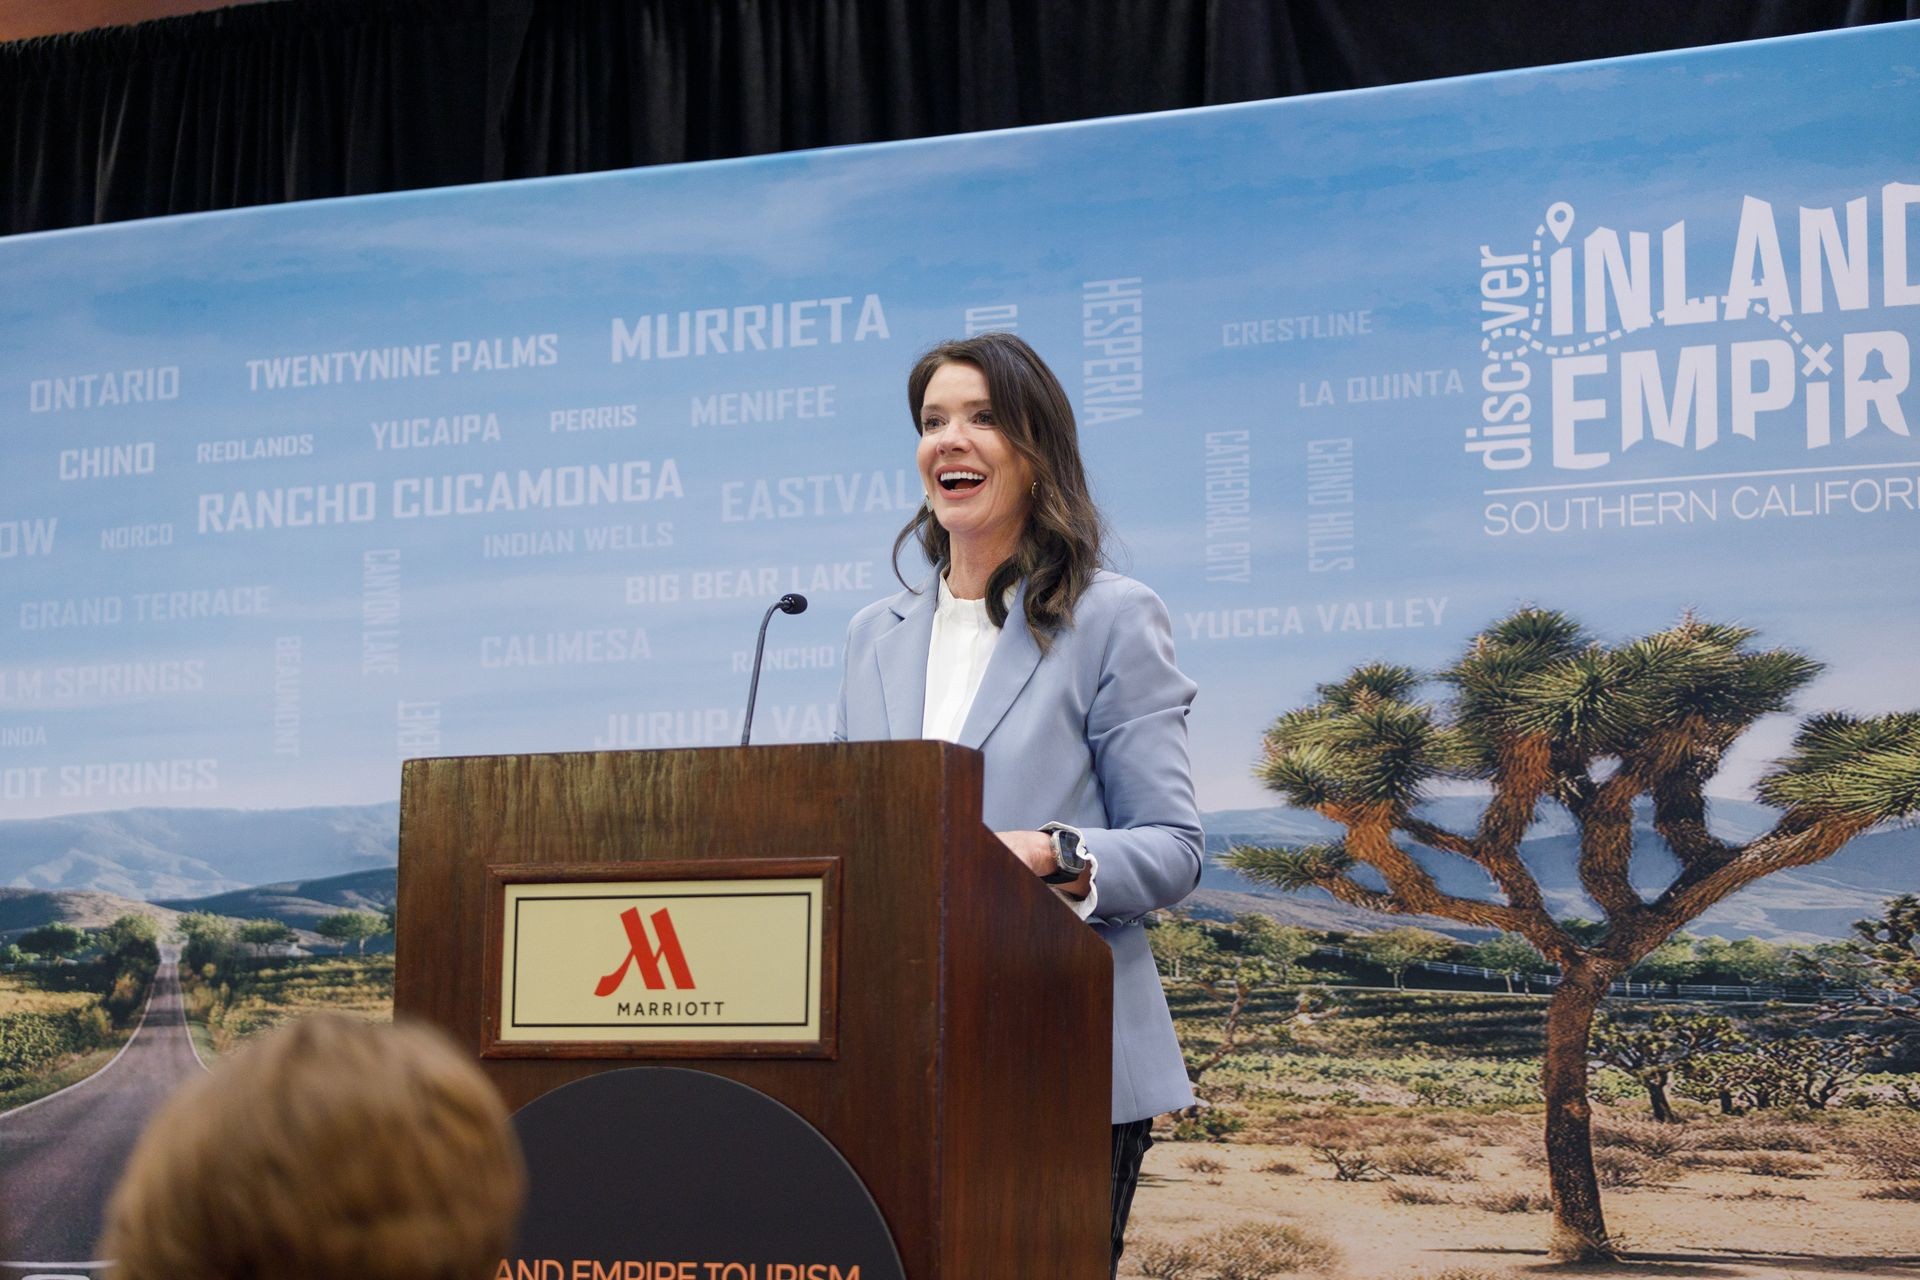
[307, 98]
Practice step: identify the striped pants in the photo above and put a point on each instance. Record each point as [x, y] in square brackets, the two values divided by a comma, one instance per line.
[1130, 1143]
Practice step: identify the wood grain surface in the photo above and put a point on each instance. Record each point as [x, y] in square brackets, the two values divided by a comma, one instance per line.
[968, 995]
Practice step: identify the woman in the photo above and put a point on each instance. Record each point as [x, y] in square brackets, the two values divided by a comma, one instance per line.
[1062, 674]
[328, 1148]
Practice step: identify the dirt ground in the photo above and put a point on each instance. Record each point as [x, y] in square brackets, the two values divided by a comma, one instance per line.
[1707, 1217]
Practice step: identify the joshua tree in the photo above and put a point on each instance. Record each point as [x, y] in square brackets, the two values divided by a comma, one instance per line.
[1884, 957]
[1259, 955]
[1808, 1071]
[1541, 713]
[1652, 1051]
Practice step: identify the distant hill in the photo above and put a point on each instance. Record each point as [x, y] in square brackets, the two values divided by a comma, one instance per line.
[301, 903]
[156, 854]
[1804, 905]
[24, 909]
[1318, 913]
[300, 864]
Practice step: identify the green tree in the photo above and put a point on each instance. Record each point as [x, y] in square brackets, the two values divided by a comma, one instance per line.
[1279, 944]
[1815, 1070]
[1543, 713]
[1738, 1081]
[134, 934]
[1885, 951]
[1652, 1051]
[1398, 950]
[1175, 941]
[1835, 964]
[262, 934]
[1509, 954]
[1750, 962]
[1673, 961]
[352, 926]
[11, 956]
[1804, 1070]
[1235, 967]
[50, 941]
[210, 940]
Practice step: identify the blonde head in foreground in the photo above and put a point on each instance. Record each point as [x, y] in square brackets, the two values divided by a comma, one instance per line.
[328, 1148]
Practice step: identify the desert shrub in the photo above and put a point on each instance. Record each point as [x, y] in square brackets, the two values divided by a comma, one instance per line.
[1315, 1133]
[1432, 1161]
[1349, 1164]
[1364, 1076]
[1511, 1202]
[1259, 1250]
[1445, 1124]
[1284, 1168]
[1416, 1195]
[1470, 1273]
[1202, 1164]
[1781, 1164]
[1655, 1141]
[1896, 1191]
[1613, 1086]
[1439, 1093]
[1623, 1169]
[1755, 1137]
[1165, 1260]
[1210, 1125]
[1764, 1193]
[30, 1043]
[1706, 1159]
[1890, 1153]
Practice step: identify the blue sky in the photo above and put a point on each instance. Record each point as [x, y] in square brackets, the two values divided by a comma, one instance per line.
[1375, 201]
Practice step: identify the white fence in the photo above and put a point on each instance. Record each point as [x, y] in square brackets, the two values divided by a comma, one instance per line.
[1646, 990]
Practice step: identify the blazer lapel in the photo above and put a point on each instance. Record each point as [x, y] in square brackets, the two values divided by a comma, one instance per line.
[902, 654]
[1014, 659]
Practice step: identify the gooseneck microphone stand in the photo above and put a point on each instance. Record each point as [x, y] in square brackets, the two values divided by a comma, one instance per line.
[789, 603]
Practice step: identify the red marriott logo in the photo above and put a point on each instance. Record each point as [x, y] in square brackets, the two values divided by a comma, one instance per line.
[641, 951]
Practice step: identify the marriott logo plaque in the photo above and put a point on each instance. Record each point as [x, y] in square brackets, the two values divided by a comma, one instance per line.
[659, 959]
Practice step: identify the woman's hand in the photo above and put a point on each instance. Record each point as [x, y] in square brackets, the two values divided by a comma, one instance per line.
[1035, 848]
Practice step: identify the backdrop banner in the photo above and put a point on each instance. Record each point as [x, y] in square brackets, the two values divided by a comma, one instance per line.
[1544, 440]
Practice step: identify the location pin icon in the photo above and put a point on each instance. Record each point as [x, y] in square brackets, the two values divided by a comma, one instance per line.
[1560, 220]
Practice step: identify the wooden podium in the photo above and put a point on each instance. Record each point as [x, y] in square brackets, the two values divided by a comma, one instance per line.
[965, 1063]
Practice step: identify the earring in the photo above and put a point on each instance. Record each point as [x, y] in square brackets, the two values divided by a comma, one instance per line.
[1034, 490]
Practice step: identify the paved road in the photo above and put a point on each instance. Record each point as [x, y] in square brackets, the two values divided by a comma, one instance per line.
[60, 1157]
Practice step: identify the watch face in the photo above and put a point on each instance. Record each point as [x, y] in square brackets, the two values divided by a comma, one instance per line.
[1066, 847]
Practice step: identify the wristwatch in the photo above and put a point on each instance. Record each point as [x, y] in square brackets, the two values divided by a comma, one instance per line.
[1069, 853]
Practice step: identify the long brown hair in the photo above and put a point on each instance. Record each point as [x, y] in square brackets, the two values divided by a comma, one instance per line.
[1059, 550]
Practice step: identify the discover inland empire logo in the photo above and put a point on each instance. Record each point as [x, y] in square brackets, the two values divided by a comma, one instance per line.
[642, 952]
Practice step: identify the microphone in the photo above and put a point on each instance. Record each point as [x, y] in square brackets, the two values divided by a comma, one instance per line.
[792, 602]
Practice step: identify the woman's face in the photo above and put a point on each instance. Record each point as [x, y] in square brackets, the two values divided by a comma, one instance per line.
[978, 486]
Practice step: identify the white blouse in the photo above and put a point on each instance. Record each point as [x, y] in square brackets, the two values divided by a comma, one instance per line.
[963, 641]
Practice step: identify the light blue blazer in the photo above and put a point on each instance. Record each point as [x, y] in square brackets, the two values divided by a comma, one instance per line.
[1093, 734]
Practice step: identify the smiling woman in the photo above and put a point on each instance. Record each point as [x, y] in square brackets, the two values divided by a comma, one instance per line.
[1060, 673]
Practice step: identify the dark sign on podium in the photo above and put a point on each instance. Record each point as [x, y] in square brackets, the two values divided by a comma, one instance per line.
[658, 1173]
